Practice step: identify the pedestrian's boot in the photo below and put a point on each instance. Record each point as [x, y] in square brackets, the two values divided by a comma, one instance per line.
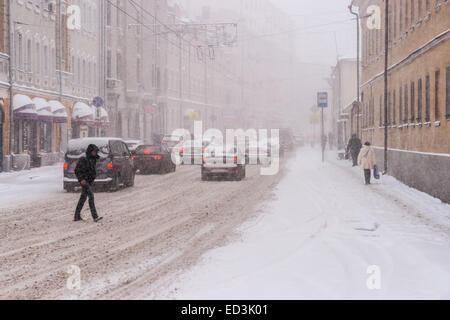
[77, 218]
[97, 219]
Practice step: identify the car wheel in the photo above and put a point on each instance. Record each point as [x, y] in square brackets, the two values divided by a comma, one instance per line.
[131, 181]
[115, 184]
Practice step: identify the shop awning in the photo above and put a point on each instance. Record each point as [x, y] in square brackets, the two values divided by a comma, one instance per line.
[24, 108]
[59, 111]
[104, 117]
[82, 114]
[44, 110]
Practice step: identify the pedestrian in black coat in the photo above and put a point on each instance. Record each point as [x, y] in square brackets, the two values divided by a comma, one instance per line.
[354, 147]
[86, 174]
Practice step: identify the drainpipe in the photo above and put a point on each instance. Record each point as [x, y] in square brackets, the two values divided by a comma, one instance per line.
[357, 68]
[11, 77]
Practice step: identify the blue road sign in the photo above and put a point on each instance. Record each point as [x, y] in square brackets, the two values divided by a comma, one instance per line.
[98, 102]
[322, 99]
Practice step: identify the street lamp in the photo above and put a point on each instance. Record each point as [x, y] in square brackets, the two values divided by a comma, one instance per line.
[350, 7]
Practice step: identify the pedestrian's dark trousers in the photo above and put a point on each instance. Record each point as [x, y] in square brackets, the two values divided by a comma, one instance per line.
[86, 192]
[367, 175]
[355, 158]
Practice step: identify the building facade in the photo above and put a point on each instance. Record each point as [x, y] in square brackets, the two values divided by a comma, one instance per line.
[343, 83]
[53, 79]
[418, 92]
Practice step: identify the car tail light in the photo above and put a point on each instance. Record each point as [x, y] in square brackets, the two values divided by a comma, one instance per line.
[133, 157]
[157, 158]
[147, 151]
[235, 160]
[66, 166]
[110, 166]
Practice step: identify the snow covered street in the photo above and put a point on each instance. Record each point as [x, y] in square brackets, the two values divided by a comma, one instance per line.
[24, 187]
[323, 237]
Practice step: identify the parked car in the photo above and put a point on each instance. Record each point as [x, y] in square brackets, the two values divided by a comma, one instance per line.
[221, 162]
[133, 144]
[154, 159]
[114, 168]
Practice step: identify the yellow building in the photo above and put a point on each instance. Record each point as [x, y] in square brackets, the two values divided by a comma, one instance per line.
[418, 90]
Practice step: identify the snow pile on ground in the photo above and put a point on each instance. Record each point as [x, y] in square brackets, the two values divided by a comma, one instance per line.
[321, 236]
[29, 185]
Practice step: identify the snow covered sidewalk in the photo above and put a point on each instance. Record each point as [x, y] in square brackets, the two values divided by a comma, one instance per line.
[29, 185]
[320, 237]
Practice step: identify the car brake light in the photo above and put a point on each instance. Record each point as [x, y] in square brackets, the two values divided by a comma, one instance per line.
[66, 166]
[147, 151]
[235, 159]
[133, 157]
[157, 158]
[110, 166]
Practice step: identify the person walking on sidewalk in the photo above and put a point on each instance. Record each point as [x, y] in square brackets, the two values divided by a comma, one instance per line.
[354, 147]
[367, 161]
[86, 174]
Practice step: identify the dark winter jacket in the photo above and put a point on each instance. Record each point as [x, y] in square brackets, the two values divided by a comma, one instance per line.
[354, 145]
[85, 169]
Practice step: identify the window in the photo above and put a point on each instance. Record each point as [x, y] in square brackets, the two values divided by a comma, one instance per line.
[400, 106]
[437, 114]
[79, 71]
[45, 137]
[108, 64]
[395, 20]
[46, 60]
[108, 13]
[413, 102]
[447, 90]
[29, 61]
[406, 14]
[419, 101]
[394, 107]
[405, 116]
[427, 99]
[119, 66]
[138, 70]
[20, 52]
[419, 10]
[38, 59]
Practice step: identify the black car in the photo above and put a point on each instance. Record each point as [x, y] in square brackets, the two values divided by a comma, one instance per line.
[154, 159]
[114, 168]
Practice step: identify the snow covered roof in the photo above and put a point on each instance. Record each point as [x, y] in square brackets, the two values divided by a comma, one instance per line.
[82, 111]
[43, 110]
[24, 108]
[57, 106]
[21, 101]
[59, 111]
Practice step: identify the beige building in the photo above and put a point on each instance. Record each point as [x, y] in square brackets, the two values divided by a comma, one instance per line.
[135, 68]
[54, 79]
[342, 116]
[418, 92]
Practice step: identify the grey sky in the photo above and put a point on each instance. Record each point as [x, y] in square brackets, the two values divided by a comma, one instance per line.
[318, 22]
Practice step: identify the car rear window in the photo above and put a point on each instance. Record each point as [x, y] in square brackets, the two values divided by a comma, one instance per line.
[78, 147]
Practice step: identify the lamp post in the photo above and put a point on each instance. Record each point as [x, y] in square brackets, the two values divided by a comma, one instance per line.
[350, 7]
